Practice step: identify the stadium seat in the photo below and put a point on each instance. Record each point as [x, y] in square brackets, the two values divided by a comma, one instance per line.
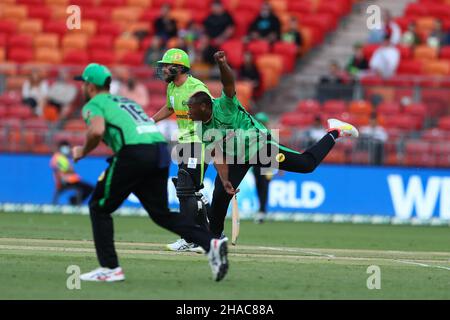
[242, 21]
[30, 26]
[289, 53]
[88, 28]
[74, 42]
[270, 66]
[444, 123]
[410, 67]
[109, 28]
[22, 41]
[98, 14]
[425, 24]
[139, 3]
[20, 112]
[433, 135]
[36, 124]
[15, 13]
[309, 106]
[334, 106]
[7, 27]
[388, 108]
[360, 107]
[402, 122]
[105, 57]
[111, 3]
[234, 50]
[75, 125]
[2, 55]
[131, 58]
[46, 40]
[303, 7]
[437, 67]
[20, 55]
[423, 52]
[294, 119]
[76, 57]
[47, 55]
[57, 2]
[59, 13]
[84, 3]
[182, 17]
[444, 53]
[125, 15]
[100, 42]
[417, 146]
[258, 47]
[58, 27]
[244, 93]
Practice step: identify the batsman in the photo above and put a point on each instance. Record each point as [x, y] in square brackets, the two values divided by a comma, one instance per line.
[174, 69]
[237, 141]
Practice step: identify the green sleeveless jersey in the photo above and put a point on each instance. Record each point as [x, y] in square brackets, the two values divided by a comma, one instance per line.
[177, 98]
[126, 122]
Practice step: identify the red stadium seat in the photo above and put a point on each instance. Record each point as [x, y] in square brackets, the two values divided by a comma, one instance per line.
[20, 55]
[156, 87]
[36, 124]
[369, 49]
[76, 57]
[58, 27]
[288, 51]
[132, 59]
[98, 14]
[20, 112]
[295, 119]
[102, 56]
[109, 28]
[258, 47]
[388, 108]
[21, 41]
[402, 122]
[309, 106]
[417, 146]
[235, 51]
[334, 106]
[7, 27]
[410, 67]
[444, 123]
[433, 135]
[39, 12]
[100, 42]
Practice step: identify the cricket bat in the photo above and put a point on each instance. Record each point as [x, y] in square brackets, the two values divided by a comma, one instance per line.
[235, 222]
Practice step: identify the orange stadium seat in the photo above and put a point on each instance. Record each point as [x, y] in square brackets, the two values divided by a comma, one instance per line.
[111, 3]
[438, 67]
[46, 40]
[59, 12]
[125, 44]
[2, 54]
[30, 26]
[139, 3]
[47, 55]
[278, 6]
[425, 24]
[181, 16]
[57, 2]
[360, 107]
[88, 27]
[15, 13]
[244, 92]
[423, 52]
[125, 15]
[74, 41]
[271, 67]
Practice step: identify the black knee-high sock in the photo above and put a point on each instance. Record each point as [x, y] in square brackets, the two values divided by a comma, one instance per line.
[320, 150]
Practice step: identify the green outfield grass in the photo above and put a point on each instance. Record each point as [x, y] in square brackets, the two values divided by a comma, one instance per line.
[275, 260]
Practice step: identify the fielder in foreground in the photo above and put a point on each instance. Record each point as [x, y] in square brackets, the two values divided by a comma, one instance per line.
[237, 141]
[140, 165]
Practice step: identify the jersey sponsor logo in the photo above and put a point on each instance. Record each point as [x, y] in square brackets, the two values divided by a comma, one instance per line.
[172, 101]
[192, 163]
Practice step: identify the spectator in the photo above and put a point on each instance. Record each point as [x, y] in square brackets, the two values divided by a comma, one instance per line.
[335, 75]
[410, 38]
[266, 26]
[205, 50]
[389, 28]
[292, 35]
[315, 132]
[374, 137]
[165, 27]
[62, 94]
[249, 72]
[438, 37]
[357, 62]
[65, 176]
[154, 51]
[34, 92]
[219, 25]
[385, 59]
[135, 91]
[192, 33]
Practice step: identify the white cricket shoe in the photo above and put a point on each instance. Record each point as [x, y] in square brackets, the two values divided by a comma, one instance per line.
[218, 259]
[182, 245]
[104, 275]
[345, 129]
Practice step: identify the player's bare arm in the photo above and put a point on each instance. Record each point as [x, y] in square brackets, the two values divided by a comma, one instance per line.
[222, 171]
[93, 137]
[162, 113]
[226, 74]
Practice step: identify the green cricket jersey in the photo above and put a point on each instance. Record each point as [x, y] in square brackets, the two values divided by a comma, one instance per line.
[177, 98]
[242, 134]
[126, 122]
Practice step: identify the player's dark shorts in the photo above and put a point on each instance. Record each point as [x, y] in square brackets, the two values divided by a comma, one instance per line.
[140, 169]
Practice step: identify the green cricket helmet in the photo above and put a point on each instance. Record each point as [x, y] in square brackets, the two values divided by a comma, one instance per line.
[176, 56]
